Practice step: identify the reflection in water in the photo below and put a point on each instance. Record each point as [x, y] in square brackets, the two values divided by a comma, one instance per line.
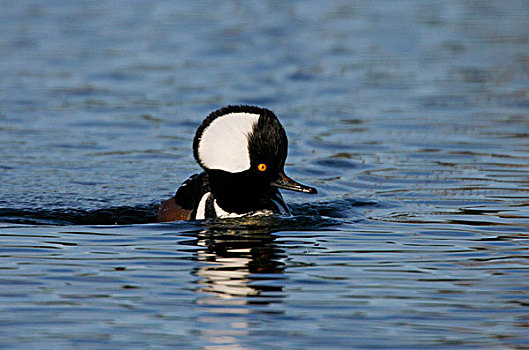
[233, 262]
[241, 272]
[239, 260]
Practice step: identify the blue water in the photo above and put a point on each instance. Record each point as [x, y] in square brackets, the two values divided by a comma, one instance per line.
[411, 118]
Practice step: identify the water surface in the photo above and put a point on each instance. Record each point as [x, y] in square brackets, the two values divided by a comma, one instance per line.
[411, 118]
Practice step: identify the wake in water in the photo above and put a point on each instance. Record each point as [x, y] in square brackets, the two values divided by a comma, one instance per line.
[143, 214]
[107, 216]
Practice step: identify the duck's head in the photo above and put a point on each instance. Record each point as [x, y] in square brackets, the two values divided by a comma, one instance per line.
[243, 149]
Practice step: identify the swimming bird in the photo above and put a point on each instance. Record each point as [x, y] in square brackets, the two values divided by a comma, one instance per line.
[242, 150]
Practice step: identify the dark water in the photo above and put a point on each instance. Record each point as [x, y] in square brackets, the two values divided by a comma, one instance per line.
[411, 118]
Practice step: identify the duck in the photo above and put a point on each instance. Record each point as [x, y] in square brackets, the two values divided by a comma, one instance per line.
[242, 150]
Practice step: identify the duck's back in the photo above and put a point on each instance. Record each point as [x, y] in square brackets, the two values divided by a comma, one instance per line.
[183, 205]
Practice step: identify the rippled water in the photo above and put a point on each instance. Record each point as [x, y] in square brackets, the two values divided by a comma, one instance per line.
[411, 118]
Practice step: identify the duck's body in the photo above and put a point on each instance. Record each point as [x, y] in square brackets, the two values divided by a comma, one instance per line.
[195, 201]
[243, 151]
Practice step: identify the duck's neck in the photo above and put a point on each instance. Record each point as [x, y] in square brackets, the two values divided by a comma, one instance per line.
[236, 193]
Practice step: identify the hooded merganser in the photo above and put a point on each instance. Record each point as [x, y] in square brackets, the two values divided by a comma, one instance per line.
[242, 150]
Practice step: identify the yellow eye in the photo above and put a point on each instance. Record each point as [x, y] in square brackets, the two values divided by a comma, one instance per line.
[261, 167]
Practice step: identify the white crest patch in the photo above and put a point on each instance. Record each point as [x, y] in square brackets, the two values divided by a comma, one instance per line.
[224, 143]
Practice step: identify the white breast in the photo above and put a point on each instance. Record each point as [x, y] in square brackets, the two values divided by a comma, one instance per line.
[201, 209]
[221, 213]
